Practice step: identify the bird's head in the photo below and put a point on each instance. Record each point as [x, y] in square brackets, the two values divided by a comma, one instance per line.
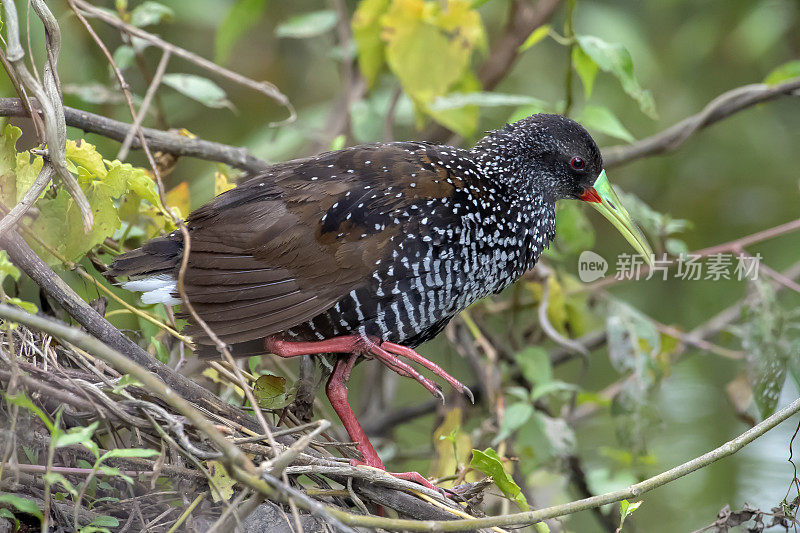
[556, 158]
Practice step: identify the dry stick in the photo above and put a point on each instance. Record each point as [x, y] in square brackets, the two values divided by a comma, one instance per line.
[148, 98]
[719, 108]
[264, 87]
[49, 99]
[161, 141]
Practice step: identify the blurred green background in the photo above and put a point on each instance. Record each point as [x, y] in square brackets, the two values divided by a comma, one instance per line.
[735, 178]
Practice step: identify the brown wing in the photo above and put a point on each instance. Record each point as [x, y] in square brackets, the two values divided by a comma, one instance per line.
[286, 245]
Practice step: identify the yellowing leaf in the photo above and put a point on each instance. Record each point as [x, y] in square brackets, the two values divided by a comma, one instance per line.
[221, 483]
[84, 154]
[270, 392]
[367, 35]
[178, 197]
[429, 47]
[221, 183]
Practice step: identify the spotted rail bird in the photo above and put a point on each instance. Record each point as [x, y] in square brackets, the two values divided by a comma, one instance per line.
[371, 250]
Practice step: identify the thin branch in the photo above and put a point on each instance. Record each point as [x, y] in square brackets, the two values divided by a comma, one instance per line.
[148, 98]
[161, 141]
[721, 107]
[264, 87]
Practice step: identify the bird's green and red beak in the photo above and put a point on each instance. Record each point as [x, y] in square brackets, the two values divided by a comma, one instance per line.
[604, 199]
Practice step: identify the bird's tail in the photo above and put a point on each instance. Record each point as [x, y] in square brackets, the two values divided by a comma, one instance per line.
[152, 269]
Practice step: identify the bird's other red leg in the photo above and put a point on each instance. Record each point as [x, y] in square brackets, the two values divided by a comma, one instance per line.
[336, 389]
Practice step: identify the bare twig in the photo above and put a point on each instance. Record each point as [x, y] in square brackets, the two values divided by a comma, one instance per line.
[148, 98]
[158, 140]
[719, 108]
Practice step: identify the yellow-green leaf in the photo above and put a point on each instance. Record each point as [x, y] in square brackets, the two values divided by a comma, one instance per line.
[536, 35]
[429, 47]
[367, 35]
[488, 462]
[221, 183]
[84, 154]
[586, 69]
[221, 483]
[270, 391]
[783, 73]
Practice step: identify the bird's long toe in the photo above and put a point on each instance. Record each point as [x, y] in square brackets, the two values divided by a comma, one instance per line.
[412, 355]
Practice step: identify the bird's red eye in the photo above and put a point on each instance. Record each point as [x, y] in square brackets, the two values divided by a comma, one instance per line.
[577, 163]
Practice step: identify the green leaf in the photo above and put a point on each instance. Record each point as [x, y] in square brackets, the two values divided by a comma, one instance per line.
[126, 381]
[367, 35]
[241, 17]
[575, 232]
[616, 60]
[59, 223]
[116, 472]
[515, 416]
[23, 505]
[21, 399]
[76, 435]
[534, 362]
[104, 521]
[18, 171]
[54, 477]
[149, 13]
[338, 142]
[124, 56]
[308, 24]
[129, 452]
[137, 179]
[28, 306]
[489, 463]
[783, 73]
[83, 154]
[625, 509]
[586, 69]
[482, 99]
[7, 268]
[603, 120]
[270, 392]
[5, 513]
[536, 35]
[199, 89]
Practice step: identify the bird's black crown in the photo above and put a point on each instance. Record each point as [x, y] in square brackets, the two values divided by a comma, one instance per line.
[543, 154]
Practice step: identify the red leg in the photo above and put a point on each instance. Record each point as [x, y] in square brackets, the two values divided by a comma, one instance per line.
[384, 352]
[336, 390]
